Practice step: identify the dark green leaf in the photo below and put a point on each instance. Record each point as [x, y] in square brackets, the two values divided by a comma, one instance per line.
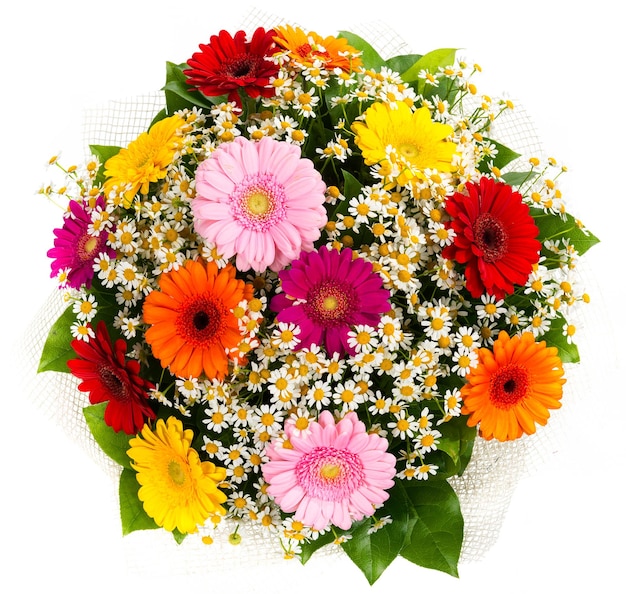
[179, 95]
[457, 441]
[436, 539]
[373, 553]
[132, 513]
[369, 56]
[309, 547]
[553, 227]
[113, 444]
[57, 349]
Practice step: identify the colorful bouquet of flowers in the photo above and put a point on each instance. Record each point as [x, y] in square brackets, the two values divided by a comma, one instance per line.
[300, 296]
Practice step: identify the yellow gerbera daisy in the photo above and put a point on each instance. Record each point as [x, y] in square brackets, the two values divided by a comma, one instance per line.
[178, 490]
[309, 48]
[417, 143]
[513, 387]
[145, 160]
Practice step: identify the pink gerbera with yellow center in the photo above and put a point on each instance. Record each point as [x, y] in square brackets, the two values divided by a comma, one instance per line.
[332, 473]
[259, 201]
[328, 292]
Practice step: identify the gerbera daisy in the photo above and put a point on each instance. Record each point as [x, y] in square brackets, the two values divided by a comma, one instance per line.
[328, 292]
[108, 375]
[416, 142]
[259, 201]
[495, 237]
[75, 248]
[229, 64]
[178, 490]
[333, 473]
[308, 49]
[193, 328]
[144, 161]
[513, 387]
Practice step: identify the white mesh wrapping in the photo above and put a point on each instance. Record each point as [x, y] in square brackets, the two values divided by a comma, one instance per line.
[486, 488]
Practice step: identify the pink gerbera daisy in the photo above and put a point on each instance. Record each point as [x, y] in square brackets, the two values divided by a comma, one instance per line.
[75, 248]
[331, 473]
[259, 201]
[326, 293]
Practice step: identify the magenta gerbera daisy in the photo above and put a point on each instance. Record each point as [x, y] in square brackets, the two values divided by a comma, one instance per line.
[76, 248]
[228, 64]
[259, 201]
[107, 375]
[333, 473]
[326, 293]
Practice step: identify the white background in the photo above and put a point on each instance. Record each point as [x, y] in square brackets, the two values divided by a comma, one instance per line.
[564, 530]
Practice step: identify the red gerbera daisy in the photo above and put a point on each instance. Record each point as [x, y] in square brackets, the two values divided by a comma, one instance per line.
[495, 237]
[107, 375]
[228, 64]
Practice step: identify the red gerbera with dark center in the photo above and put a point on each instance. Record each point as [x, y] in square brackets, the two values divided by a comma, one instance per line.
[495, 237]
[108, 376]
[228, 64]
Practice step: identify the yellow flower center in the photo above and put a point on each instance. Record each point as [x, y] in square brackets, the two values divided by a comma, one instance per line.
[258, 203]
[176, 472]
[330, 471]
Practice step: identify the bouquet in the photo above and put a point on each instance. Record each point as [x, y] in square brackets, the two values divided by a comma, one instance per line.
[303, 295]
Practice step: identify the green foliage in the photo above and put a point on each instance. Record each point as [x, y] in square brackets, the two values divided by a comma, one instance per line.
[554, 227]
[504, 156]
[113, 444]
[426, 529]
[431, 62]
[554, 337]
[369, 57]
[57, 350]
[132, 513]
[104, 153]
[457, 441]
[178, 94]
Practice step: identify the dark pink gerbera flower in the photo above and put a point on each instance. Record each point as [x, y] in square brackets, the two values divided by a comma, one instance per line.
[228, 64]
[328, 292]
[75, 248]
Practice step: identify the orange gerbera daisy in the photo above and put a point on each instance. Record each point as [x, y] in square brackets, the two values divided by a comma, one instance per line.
[193, 328]
[513, 387]
[308, 48]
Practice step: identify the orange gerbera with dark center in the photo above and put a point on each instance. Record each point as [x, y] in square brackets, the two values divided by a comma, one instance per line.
[513, 387]
[308, 49]
[193, 328]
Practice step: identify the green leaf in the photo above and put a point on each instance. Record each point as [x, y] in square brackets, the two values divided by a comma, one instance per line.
[132, 513]
[179, 95]
[504, 156]
[402, 63]
[309, 547]
[104, 153]
[431, 62]
[373, 553]
[113, 444]
[554, 337]
[57, 350]
[517, 178]
[457, 441]
[369, 56]
[437, 535]
[553, 227]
